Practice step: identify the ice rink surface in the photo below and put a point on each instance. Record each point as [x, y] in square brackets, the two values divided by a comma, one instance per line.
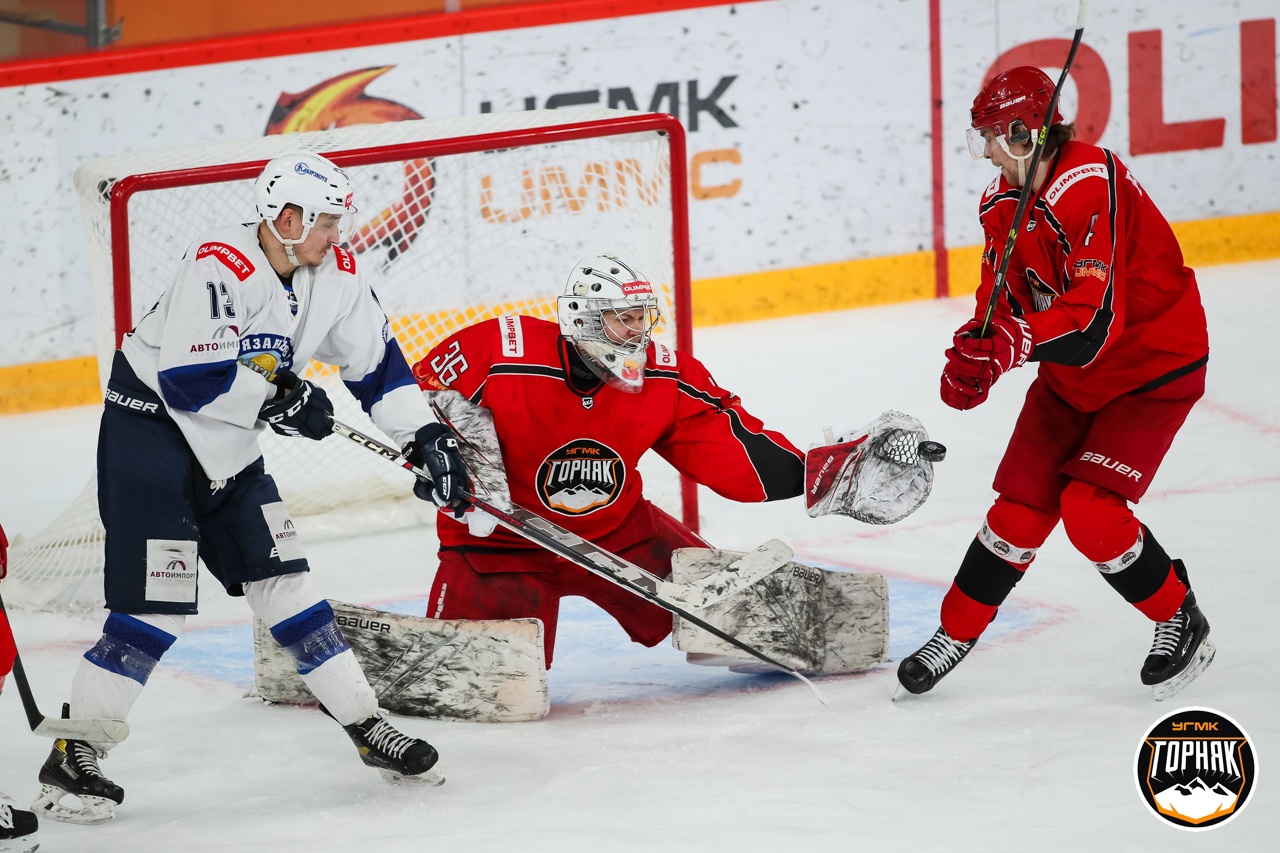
[1029, 745]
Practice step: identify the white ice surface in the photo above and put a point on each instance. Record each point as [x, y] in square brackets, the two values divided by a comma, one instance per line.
[1030, 745]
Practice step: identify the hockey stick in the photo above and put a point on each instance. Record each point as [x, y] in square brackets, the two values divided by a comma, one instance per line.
[1024, 198]
[698, 595]
[578, 551]
[94, 731]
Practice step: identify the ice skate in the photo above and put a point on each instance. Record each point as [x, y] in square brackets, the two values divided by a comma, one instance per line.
[18, 828]
[72, 770]
[1180, 651]
[399, 757]
[925, 667]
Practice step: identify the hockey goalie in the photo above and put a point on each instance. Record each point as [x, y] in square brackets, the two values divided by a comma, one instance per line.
[554, 417]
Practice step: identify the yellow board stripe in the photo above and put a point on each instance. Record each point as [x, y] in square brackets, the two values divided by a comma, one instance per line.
[733, 299]
[49, 385]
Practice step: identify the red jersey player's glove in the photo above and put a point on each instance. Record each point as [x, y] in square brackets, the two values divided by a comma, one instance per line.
[974, 364]
[961, 386]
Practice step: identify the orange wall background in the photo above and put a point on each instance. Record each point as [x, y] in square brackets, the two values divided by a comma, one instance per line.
[158, 21]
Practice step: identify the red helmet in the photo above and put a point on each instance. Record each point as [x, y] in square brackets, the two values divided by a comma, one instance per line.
[1020, 94]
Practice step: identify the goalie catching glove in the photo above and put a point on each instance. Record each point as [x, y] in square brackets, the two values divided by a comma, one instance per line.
[299, 408]
[435, 450]
[879, 474]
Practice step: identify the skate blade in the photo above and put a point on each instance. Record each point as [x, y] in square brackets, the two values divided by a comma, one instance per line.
[901, 692]
[1204, 657]
[430, 779]
[93, 810]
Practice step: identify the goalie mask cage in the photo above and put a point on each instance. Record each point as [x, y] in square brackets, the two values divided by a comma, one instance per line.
[460, 220]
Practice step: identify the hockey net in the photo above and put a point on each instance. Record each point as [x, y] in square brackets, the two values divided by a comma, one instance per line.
[460, 220]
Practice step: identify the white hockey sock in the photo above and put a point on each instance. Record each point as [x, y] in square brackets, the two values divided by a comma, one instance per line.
[112, 674]
[303, 624]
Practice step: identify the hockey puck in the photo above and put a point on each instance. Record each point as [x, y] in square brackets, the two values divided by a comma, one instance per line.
[932, 451]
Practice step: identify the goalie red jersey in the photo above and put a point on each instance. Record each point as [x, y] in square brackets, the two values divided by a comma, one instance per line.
[1098, 275]
[572, 456]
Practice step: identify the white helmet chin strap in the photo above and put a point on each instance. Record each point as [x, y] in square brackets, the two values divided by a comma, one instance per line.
[288, 244]
[1022, 161]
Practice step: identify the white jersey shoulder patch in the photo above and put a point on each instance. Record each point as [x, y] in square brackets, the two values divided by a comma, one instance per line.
[512, 336]
[663, 356]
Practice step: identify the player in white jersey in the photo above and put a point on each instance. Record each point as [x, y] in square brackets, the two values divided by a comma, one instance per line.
[181, 476]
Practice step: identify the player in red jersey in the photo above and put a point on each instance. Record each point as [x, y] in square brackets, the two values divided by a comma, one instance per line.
[575, 406]
[19, 828]
[1098, 294]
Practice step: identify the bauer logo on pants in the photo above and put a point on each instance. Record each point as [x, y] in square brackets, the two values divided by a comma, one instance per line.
[1196, 768]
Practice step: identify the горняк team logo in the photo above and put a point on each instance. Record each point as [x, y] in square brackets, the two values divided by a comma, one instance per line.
[580, 477]
[1196, 768]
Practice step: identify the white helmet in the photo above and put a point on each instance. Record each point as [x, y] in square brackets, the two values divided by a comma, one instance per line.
[311, 182]
[598, 290]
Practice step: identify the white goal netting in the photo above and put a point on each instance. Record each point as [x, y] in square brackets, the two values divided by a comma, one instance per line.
[460, 220]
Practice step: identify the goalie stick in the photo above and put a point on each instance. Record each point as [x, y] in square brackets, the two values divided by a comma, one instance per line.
[1024, 197]
[607, 565]
[94, 731]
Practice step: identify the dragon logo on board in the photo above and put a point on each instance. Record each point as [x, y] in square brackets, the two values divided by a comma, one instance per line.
[580, 477]
[340, 102]
[1196, 768]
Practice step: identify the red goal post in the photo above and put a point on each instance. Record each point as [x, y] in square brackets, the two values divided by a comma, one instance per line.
[459, 220]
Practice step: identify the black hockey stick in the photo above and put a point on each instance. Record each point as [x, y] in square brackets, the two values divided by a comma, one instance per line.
[94, 731]
[578, 551]
[1024, 198]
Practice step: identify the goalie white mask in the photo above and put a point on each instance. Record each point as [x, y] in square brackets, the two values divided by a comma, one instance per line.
[311, 182]
[608, 311]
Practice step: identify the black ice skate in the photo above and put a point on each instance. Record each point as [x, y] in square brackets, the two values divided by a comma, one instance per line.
[398, 756]
[925, 667]
[72, 769]
[1180, 651]
[18, 828]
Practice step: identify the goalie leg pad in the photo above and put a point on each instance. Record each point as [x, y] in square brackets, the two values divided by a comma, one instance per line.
[478, 671]
[814, 620]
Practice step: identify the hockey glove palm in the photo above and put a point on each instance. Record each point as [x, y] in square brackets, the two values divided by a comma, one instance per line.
[974, 364]
[435, 450]
[300, 408]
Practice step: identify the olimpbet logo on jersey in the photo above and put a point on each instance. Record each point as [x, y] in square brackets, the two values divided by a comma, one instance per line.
[1196, 768]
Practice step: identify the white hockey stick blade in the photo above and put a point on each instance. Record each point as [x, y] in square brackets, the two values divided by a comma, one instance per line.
[730, 580]
[1204, 657]
[104, 732]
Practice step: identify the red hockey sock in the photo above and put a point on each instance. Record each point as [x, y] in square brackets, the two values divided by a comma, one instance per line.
[1164, 602]
[963, 618]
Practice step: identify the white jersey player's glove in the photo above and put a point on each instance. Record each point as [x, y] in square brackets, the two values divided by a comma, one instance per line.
[299, 408]
[435, 450]
[878, 474]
